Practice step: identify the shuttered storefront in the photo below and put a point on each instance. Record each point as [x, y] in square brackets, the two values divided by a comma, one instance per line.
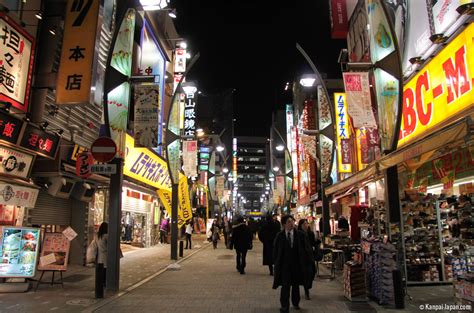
[50, 210]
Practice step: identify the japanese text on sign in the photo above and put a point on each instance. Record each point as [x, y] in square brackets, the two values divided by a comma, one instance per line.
[16, 63]
[343, 134]
[189, 117]
[75, 74]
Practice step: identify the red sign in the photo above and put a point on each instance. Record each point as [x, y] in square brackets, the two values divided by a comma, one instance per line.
[104, 149]
[84, 161]
[339, 21]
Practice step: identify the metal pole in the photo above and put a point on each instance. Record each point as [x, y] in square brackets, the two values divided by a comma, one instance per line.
[115, 217]
[174, 222]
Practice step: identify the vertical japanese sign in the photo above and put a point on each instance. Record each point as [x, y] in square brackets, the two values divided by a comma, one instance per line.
[190, 117]
[339, 20]
[359, 104]
[180, 61]
[234, 158]
[77, 54]
[190, 158]
[146, 116]
[343, 134]
[16, 63]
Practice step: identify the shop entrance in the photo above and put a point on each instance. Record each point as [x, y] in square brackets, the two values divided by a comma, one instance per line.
[134, 229]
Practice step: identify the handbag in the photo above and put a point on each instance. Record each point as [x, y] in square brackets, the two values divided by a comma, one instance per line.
[92, 252]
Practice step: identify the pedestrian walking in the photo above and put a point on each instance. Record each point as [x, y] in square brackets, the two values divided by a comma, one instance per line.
[189, 232]
[270, 228]
[241, 241]
[227, 227]
[215, 233]
[102, 237]
[311, 268]
[164, 230]
[291, 257]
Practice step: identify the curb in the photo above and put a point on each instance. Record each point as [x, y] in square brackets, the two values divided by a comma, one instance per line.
[129, 289]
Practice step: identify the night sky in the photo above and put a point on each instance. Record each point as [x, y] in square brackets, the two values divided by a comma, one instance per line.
[250, 46]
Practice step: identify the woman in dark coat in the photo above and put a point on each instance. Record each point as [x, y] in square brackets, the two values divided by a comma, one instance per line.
[267, 234]
[304, 227]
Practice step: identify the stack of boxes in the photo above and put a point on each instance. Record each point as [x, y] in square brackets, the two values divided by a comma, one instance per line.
[464, 290]
[457, 266]
[432, 274]
[354, 282]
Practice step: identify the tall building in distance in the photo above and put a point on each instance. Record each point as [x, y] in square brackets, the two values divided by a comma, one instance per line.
[252, 169]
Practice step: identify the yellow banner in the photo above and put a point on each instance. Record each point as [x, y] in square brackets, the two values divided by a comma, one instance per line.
[185, 212]
[77, 54]
[441, 91]
[343, 132]
[145, 166]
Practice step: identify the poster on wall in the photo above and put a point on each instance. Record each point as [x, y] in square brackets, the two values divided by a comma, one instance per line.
[381, 41]
[14, 162]
[16, 63]
[19, 251]
[147, 110]
[359, 104]
[57, 245]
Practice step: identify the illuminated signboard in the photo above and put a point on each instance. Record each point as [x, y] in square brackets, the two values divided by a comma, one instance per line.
[19, 249]
[190, 117]
[16, 63]
[145, 166]
[10, 128]
[343, 134]
[441, 90]
[39, 141]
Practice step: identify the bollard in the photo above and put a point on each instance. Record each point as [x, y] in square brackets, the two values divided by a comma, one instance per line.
[181, 248]
[99, 280]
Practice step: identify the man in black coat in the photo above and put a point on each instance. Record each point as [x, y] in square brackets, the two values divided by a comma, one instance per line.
[270, 228]
[291, 256]
[241, 240]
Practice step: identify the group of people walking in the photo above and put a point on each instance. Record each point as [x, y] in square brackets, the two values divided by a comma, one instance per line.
[289, 251]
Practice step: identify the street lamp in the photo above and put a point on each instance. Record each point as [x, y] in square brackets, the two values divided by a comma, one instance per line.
[280, 147]
[225, 170]
[308, 80]
[276, 168]
[220, 148]
[189, 89]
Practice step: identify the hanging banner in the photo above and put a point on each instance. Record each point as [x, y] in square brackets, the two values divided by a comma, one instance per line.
[83, 164]
[186, 212]
[190, 158]
[180, 60]
[77, 53]
[441, 91]
[16, 63]
[343, 133]
[359, 105]
[17, 195]
[309, 144]
[358, 37]
[220, 180]
[184, 204]
[57, 245]
[445, 14]
[15, 163]
[145, 125]
[339, 20]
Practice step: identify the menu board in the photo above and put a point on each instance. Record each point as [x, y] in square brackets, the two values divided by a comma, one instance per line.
[58, 245]
[18, 251]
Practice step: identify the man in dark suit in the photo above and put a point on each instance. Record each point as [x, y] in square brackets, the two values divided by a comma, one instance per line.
[291, 256]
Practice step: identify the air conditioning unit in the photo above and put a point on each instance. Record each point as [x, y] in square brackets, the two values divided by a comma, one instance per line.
[60, 187]
[83, 191]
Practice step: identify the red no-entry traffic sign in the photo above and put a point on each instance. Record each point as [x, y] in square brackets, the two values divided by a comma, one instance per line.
[104, 149]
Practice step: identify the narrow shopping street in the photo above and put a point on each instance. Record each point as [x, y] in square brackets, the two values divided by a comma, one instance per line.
[208, 283]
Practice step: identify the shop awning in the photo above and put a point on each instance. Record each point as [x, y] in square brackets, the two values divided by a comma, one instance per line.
[367, 173]
[453, 133]
[456, 132]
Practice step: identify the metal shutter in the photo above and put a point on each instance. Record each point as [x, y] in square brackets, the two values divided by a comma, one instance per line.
[50, 210]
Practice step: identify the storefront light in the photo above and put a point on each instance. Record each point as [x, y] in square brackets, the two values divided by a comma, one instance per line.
[280, 147]
[307, 80]
[183, 45]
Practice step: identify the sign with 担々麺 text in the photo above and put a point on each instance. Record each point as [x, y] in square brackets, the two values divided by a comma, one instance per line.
[145, 166]
[77, 55]
[440, 91]
[16, 63]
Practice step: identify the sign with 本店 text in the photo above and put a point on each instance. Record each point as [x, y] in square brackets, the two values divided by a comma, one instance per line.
[440, 91]
[343, 134]
[77, 54]
[16, 63]
[39, 141]
[145, 166]
[14, 162]
[17, 195]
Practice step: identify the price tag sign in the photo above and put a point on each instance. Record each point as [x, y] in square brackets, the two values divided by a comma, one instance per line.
[47, 259]
[69, 233]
